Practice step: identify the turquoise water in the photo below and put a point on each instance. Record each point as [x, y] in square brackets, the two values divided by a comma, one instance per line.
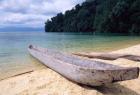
[14, 56]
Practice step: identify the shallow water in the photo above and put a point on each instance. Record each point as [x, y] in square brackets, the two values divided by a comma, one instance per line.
[14, 56]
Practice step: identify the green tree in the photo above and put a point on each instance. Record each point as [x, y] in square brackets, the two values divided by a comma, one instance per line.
[108, 16]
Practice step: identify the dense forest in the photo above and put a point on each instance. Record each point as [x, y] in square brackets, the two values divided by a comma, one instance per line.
[99, 16]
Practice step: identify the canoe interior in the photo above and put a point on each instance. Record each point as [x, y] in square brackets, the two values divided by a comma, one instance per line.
[75, 60]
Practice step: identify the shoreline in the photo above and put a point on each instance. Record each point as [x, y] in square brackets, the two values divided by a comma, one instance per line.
[48, 82]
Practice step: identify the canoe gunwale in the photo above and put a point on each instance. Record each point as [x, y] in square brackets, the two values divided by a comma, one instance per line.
[115, 67]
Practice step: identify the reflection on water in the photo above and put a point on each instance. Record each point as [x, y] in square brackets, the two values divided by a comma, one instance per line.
[13, 46]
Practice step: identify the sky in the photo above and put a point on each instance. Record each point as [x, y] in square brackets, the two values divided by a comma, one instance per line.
[31, 13]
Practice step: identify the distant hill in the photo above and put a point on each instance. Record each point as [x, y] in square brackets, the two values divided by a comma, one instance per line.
[19, 29]
[99, 16]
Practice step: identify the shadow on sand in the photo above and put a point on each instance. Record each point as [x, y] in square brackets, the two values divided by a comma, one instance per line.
[112, 89]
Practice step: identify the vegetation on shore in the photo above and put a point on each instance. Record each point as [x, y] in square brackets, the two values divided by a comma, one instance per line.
[99, 16]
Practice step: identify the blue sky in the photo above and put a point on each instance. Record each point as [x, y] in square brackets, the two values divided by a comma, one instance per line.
[31, 13]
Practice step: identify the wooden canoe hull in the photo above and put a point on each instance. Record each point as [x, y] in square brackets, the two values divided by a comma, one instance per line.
[81, 74]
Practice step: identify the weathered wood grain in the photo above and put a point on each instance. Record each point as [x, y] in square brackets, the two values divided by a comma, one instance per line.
[109, 56]
[83, 71]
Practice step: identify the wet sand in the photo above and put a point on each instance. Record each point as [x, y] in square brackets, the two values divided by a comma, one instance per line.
[48, 82]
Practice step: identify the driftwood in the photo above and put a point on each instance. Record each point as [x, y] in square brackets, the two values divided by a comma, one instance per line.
[27, 72]
[109, 56]
[83, 71]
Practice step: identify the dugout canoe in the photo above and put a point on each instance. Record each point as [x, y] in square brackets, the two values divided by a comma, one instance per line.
[83, 71]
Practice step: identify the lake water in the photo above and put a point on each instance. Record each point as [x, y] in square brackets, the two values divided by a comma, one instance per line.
[14, 57]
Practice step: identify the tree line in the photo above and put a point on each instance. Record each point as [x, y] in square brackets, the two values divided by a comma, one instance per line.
[99, 16]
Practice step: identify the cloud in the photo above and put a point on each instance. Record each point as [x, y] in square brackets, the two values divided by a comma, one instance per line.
[32, 13]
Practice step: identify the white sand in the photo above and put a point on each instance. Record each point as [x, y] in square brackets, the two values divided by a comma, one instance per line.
[48, 82]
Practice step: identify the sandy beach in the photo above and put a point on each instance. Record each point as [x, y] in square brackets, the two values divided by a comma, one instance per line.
[48, 82]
